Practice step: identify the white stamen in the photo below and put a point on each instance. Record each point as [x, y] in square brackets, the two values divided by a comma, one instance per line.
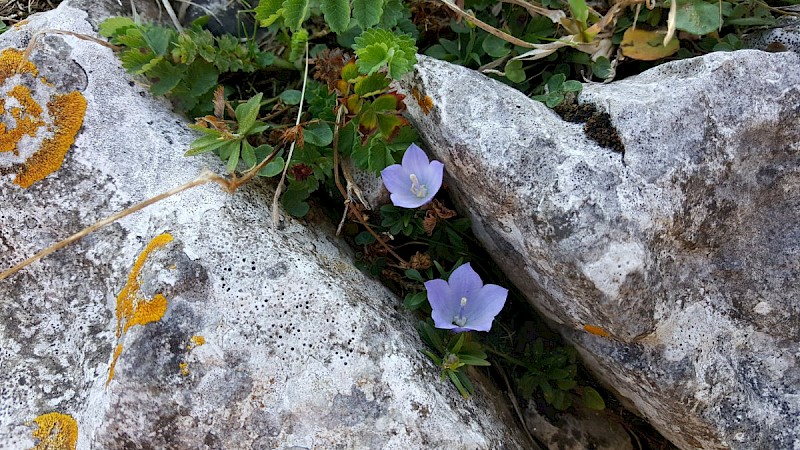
[417, 189]
[461, 319]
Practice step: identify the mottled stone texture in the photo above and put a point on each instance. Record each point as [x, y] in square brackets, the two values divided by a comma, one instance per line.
[684, 249]
[269, 339]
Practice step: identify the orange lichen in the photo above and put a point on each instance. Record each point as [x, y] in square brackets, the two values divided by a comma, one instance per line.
[55, 431]
[132, 307]
[117, 352]
[27, 116]
[424, 102]
[198, 341]
[597, 331]
[67, 111]
[13, 62]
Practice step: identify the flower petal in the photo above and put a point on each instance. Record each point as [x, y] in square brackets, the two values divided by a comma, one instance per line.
[409, 200]
[396, 179]
[443, 306]
[464, 281]
[432, 177]
[415, 160]
[484, 306]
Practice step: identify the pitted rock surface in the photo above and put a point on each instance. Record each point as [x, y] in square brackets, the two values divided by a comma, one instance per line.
[680, 255]
[222, 332]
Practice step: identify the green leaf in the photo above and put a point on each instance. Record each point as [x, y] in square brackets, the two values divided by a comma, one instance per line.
[203, 77]
[291, 96]
[379, 156]
[579, 10]
[414, 274]
[114, 25]
[393, 13]
[273, 168]
[495, 47]
[319, 134]
[592, 399]
[248, 154]
[336, 14]
[372, 84]
[233, 158]
[246, 113]
[514, 71]
[364, 238]
[295, 12]
[697, 17]
[367, 12]
[415, 301]
[389, 123]
[137, 62]
[268, 11]
[293, 200]
[386, 102]
[165, 76]
[158, 39]
[572, 86]
[376, 48]
[297, 46]
[205, 144]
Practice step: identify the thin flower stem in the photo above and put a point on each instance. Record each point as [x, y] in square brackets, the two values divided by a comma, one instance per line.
[279, 189]
[486, 27]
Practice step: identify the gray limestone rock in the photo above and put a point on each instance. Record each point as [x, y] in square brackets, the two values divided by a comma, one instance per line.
[191, 324]
[673, 266]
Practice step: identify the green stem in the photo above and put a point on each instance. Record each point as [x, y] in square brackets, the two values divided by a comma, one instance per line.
[508, 358]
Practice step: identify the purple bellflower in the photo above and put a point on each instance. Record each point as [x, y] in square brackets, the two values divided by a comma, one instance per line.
[465, 303]
[415, 182]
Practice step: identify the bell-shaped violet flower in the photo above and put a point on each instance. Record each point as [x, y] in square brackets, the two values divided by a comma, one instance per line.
[415, 182]
[464, 303]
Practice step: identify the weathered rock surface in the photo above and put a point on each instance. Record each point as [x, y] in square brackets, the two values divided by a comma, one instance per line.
[190, 324]
[680, 255]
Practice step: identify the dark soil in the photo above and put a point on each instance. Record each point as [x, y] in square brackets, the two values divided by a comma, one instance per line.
[16, 10]
[597, 124]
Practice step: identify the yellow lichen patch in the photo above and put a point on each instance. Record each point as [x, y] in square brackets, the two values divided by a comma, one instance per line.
[197, 341]
[27, 116]
[55, 431]
[597, 331]
[132, 307]
[67, 111]
[13, 62]
[117, 352]
[184, 368]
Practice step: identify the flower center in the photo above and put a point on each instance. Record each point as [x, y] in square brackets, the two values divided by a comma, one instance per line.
[460, 319]
[420, 190]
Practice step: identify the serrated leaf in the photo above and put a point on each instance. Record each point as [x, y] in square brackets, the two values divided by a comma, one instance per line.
[295, 12]
[697, 17]
[388, 124]
[377, 47]
[132, 38]
[165, 77]
[336, 14]
[367, 12]
[203, 77]
[114, 25]
[371, 84]
[158, 39]
[393, 13]
[319, 134]
[379, 157]
[135, 61]
[350, 71]
[646, 45]
[386, 102]
[268, 11]
[297, 45]
[246, 113]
